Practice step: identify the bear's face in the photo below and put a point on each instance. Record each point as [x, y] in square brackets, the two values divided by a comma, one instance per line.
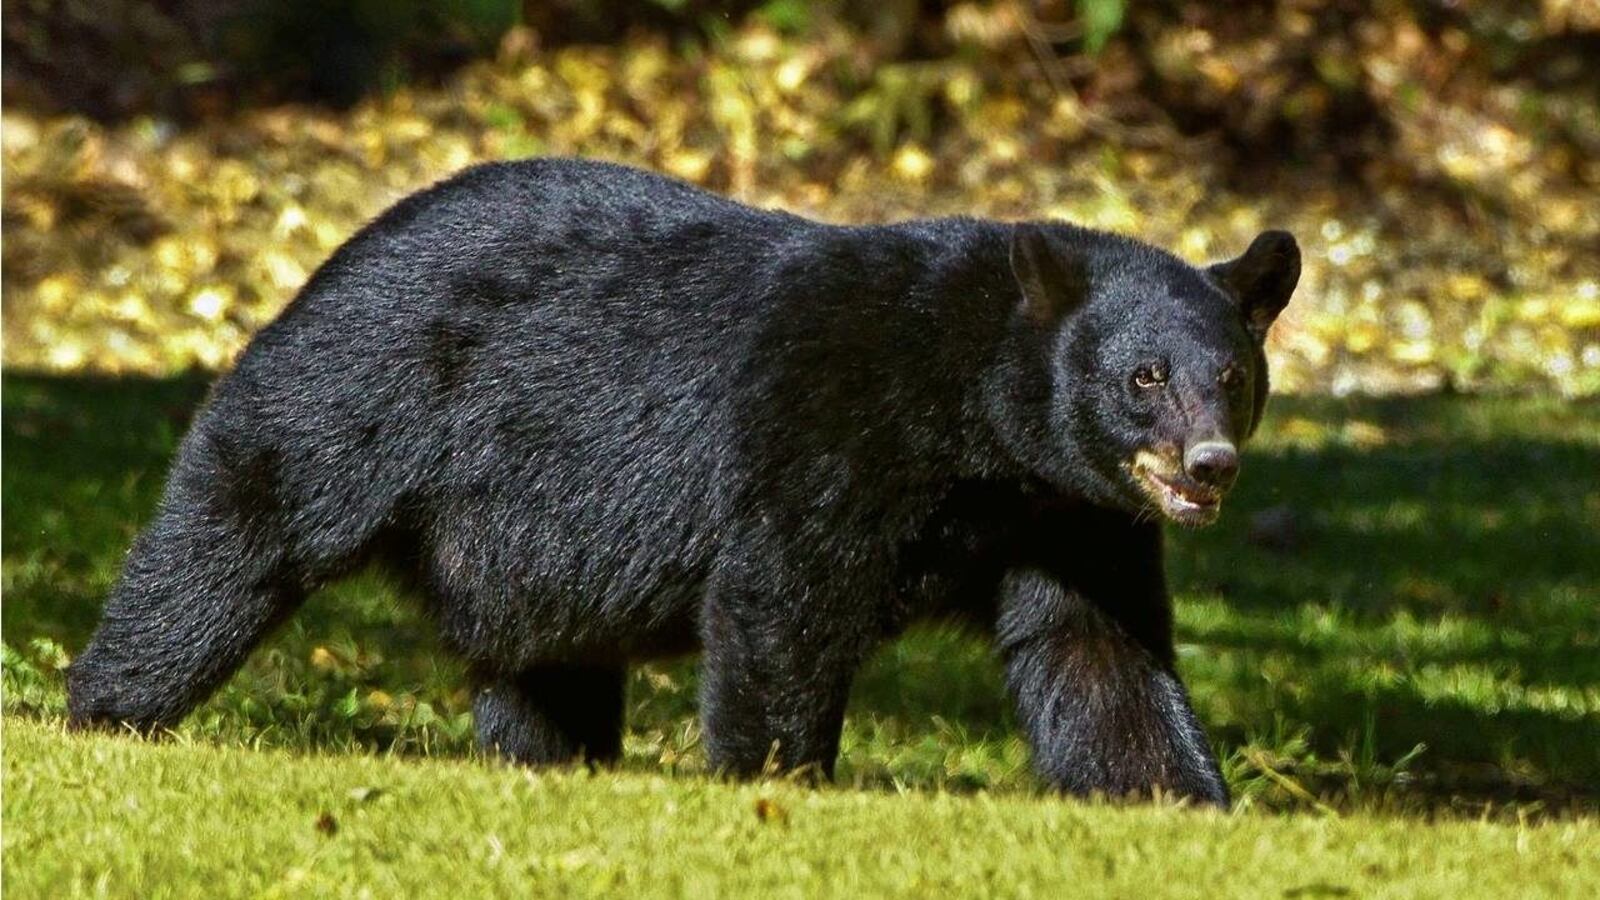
[1148, 373]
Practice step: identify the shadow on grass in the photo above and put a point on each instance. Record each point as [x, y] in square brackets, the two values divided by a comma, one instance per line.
[1438, 588]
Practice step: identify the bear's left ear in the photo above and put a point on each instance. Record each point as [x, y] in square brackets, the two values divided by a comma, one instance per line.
[1262, 279]
[1053, 279]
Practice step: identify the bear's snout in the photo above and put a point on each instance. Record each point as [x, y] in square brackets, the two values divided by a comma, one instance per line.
[1213, 463]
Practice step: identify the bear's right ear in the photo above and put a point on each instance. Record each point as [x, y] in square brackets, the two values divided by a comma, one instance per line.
[1262, 280]
[1053, 280]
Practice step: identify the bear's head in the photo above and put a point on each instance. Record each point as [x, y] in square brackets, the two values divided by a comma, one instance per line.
[1133, 377]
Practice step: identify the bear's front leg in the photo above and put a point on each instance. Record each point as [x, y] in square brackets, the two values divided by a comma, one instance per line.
[776, 677]
[1096, 690]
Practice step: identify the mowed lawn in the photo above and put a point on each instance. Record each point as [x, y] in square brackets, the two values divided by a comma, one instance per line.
[103, 815]
[1393, 637]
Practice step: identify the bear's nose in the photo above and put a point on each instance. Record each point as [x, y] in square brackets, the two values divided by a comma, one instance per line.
[1212, 463]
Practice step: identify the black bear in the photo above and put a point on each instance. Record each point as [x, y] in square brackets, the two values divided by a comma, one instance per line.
[597, 416]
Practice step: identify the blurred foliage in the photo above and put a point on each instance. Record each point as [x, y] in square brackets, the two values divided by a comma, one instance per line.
[175, 170]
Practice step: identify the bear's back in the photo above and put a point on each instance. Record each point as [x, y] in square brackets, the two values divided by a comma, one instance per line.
[525, 369]
[556, 377]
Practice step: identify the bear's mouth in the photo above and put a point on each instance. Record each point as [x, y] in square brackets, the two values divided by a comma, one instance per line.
[1181, 499]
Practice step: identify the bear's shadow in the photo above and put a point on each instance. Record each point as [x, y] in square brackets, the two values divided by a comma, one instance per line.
[1484, 538]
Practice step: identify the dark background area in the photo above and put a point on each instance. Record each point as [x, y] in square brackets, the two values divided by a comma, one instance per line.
[1283, 81]
[1438, 159]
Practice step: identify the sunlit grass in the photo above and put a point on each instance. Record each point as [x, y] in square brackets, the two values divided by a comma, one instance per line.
[113, 816]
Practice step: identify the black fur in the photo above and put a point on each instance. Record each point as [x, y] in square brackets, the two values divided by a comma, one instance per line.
[600, 416]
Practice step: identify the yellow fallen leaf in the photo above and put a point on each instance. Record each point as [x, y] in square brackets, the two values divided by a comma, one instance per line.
[912, 163]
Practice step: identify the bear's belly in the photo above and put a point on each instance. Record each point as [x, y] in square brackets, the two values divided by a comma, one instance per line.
[539, 602]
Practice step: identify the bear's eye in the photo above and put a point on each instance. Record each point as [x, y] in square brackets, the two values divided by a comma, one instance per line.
[1150, 376]
[1232, 377]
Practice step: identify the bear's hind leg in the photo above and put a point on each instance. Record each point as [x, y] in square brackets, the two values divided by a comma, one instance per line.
[552, 714]
[775, 685]
[197, 593]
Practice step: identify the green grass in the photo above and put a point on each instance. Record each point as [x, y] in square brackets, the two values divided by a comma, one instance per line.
[102, 814]
[1397, 693]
